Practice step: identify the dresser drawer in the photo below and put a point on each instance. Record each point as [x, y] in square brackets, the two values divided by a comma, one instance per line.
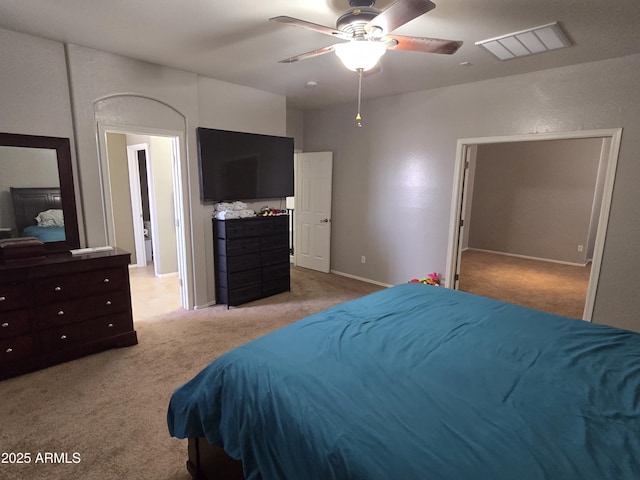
[73, 335]
[275, 272]
[12, 296]
[239, 247]
[229, 229]
[244, 294]
[65, 336]
[246, 277]
[15, 322]
[278, 256]
[241, 262]
[73, 311]
[85, 283]
[15, 348]
[276, 286]
[258, 227]
[106, 327]
[275, 241]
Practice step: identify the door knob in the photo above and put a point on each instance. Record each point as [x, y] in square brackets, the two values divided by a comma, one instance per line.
[324, 220]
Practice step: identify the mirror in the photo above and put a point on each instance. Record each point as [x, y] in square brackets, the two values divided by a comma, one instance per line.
[37, 197]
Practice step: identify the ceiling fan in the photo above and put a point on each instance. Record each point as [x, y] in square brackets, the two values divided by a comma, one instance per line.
[368, 36]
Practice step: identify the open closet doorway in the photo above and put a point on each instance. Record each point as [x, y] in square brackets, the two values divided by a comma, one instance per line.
[143, 179]
[555, 198]
[144, 230]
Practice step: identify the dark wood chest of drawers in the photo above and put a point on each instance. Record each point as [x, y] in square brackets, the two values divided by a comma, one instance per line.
[251, 258]
[63, 307]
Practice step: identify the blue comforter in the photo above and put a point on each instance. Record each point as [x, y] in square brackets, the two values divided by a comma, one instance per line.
[45, 234]
[421, 382]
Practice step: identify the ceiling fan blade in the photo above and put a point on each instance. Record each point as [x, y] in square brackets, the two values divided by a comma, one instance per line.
[296, 22]
[311, 54]
[396, 15]
[421, 44]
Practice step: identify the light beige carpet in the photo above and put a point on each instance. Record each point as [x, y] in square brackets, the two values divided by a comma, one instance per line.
[110, 408]
[551, 287]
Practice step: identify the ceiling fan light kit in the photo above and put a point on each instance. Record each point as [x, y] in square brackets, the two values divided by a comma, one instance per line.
[361, 54]
[367, 32]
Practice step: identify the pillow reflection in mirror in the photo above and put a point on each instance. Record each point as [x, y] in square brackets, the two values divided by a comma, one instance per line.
[50, 218]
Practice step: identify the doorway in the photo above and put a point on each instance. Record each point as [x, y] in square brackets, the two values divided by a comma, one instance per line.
[142, 181]
[313, 177]
[463, 185]
[141, 200]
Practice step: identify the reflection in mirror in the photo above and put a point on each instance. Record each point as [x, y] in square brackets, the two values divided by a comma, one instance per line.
[30, 204]
[37, 197]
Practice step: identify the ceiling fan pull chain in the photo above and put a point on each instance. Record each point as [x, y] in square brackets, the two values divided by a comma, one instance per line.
[358, 116]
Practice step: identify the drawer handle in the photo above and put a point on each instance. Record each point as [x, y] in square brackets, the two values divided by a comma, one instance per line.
[110, 325]
[2, 299]
[57, 289]
[63, 337]
[108, 302]
[9, 350]
[60, 313]
[106, 280]
[5, 324]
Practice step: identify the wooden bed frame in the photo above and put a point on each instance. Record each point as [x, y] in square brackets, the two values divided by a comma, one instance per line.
[29, 202]
[208, 462]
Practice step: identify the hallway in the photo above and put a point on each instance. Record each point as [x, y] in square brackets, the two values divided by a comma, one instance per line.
[152, 296]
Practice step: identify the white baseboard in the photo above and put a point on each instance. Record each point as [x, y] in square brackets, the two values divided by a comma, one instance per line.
[367, 280]
[573, 264]
[206, 305]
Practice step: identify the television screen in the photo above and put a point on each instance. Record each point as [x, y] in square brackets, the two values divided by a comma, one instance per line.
[244, 166]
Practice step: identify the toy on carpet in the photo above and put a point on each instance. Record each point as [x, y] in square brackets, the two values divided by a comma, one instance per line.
[431, 279]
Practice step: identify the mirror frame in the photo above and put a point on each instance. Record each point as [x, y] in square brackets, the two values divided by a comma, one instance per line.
[65, 173]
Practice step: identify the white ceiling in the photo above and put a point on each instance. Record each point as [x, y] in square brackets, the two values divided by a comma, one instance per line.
[234, 41]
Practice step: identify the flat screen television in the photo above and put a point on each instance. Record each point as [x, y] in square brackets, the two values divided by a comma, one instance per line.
[243, 166]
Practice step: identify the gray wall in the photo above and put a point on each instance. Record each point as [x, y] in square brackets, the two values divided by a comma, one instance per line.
[39, 97]
[393, 178]
[34, 91]
[121, 197]
[535, 198]
[295, 127]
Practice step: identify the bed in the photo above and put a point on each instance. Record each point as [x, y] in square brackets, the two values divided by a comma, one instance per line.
[38, 213]
[418, 382]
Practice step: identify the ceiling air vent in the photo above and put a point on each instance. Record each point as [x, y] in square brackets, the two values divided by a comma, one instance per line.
[527, 42]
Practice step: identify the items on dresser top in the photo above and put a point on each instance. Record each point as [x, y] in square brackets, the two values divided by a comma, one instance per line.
[61, 307]
[20, 248]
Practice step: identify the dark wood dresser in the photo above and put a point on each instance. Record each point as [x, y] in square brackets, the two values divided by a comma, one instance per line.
[61, 307]
[251, 258]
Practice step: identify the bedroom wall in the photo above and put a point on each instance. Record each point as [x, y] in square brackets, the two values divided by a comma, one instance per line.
[34, 91]
[119, 181]
[393, 177]
[295, 127]
[162, 99]
[57, 90]
[535, 198]
[231, 107]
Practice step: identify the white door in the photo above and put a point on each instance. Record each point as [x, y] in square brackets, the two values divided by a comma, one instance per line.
[313, 210]
[136, 201]
[469, 156]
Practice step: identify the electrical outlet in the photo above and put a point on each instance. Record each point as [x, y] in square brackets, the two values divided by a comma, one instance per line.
[580, 248]
[363, 259]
